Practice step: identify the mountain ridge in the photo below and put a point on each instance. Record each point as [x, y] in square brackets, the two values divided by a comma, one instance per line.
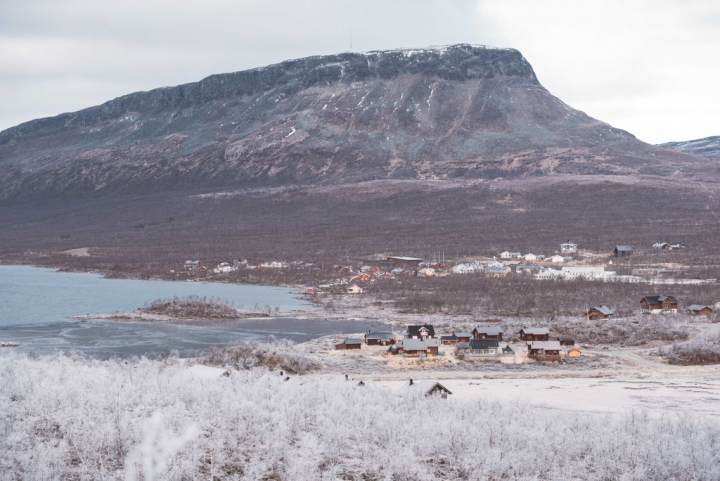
[456, 112]
[708, 147]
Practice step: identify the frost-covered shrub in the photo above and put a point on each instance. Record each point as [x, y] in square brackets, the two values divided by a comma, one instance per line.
[76, 418]
[698, 351]
[192, 307]
[274, 354]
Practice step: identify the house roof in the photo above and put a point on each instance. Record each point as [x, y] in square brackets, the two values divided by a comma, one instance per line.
[483, 343]
[659, 299]
[535, 330]
[414, 345]
[449, 338]
[545, 345]
[379, 335]
[421, 387]
[415, 330]
[696, 307]
[463, 345]
[352, 340]
[463, 334]
[507, 348]
[623, 248]
[490, 330]
[432, 342]
[603, 309]
[566, 338]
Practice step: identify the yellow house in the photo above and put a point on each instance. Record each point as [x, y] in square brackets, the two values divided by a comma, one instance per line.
[574, 352]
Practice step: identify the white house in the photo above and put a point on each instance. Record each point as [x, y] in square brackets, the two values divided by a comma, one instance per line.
[585, 272]
[548, 273]
[530, 257]
[274, 265]
[354, 289]
[426, 272]
[568, 248]
[468, 268]
[505, 255]
[556, 259]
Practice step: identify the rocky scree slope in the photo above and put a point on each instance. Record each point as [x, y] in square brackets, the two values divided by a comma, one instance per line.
[442, 113]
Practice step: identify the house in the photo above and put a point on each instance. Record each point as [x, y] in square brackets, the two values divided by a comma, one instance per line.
[699, 310]
[488, 332]
[342, 269]
[426, 272]
[496, 271]
[568, 248]
[530, 257]
[583, 272]
[379, 338]
[484, 347]
[191, 265]
[566, 340]
[555, 259]
[548, 273]
[464, 336]
[369, 269]
[467, 268]
[658, 304]
[661, 245]
[526, 269]
[677, 246]
[623, 251]
[505, 255]
[418, 347]
[534, 334]
[274, 265]
[310, 290]
[574, 352]
[423, 388]
[507, 351]
[599, 312]
[359, 278]
[545, 350]
[354, 289]
[516, 255]
[425, 331]
[450, 340]
[349, 343]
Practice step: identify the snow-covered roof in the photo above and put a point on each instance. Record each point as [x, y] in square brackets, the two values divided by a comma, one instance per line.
[490, 330]
[421, 387]
[536, 330]
[696, 307]
[545, 345]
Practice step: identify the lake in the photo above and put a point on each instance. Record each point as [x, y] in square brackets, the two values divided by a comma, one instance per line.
[36, 306]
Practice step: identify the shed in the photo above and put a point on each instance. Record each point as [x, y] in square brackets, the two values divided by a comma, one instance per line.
[699, 310]
[423, 388]
[507, 350]
[598, 312]
[574, 352]
[534, 334]
[349, 343]
[623, 251]
[566, 340]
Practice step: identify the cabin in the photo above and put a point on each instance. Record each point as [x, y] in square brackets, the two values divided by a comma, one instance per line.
[379, 338]
[425, 331]
[661, 246]
[699, 310]
[424, 388]
[574, 352]
[658, 304]
[556, 259]
[464, 336]
[566, 340]
[599, 312]
[451, 340]
[568, 248]
[534, 334]
[349, 343]
[484, 347]
[507, 350]
[191, 265]
[623, 251]
[505, 255]
[488, 332]
[530, 257]
[545, 350]
[418, 347]
[354, 289]
[360, 278]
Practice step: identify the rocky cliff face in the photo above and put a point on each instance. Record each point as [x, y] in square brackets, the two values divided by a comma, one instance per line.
[708, 147]
[445, 113]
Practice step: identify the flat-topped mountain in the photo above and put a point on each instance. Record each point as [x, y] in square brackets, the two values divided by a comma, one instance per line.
[709, 147]
[459, 112]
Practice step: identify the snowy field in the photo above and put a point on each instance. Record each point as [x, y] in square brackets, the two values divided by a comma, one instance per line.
[74, 418]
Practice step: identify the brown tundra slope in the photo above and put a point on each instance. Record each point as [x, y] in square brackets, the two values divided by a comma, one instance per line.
[461, 112]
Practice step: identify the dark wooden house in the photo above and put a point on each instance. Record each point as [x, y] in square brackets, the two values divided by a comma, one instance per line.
[349, 343]
[599, 312]
[379, 338]
[623, 251]
[450, 340]
[425, 331]
[534, 334]
[488, 332]
[566, 340]
[658, 304]
[699, 310]
[545, 350]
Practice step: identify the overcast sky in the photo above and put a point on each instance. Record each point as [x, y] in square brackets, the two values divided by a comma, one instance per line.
[649, 67]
